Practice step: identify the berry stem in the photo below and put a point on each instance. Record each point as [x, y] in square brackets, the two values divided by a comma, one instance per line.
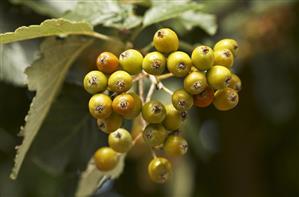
[139, 76]
[164, 76]
[150, 92]
[153, 153]
[137, 138]
[148, 47]
[141, 90]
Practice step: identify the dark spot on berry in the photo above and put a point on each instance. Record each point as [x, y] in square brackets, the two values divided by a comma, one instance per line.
[184, 147]
[157, 109]
[93, 80]
[228, 80]
[236, 47]
[182, 103]
[156, 64]
[101, 125]
[233, 97]
[124, 55]
[123, 104]
[227, 53]
[197, 85]
[160, 34]
[120, 84]
[99, 108]
[118, 135]
[184, 115]
[181, 66]
[103, 59]
[205, 50]
[149, 134]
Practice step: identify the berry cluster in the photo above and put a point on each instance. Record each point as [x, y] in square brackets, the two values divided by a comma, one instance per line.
[207, 78]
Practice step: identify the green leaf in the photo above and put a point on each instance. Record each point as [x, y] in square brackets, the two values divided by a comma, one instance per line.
[51, 27]
[207, 22]
[46, 76]
[92, 178]
[168, 11]
[107, 13]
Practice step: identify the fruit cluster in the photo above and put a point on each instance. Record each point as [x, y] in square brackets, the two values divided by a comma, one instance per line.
[207, 78]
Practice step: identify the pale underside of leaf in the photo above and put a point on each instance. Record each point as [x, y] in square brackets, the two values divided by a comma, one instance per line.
[167, 11]
[92, 178]
[51, 27]
[46, 76]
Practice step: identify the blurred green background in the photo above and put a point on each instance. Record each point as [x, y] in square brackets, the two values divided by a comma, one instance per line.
[251, 151]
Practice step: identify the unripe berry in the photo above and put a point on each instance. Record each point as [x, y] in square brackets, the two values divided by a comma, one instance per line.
[137, 106]
[110, 124]
[166, 41]
[204, 99]
[203, 58]
[159, 170]
[181, 100]
[120, 140]
[120, 81]
[175, 146]
[173, 118]
[153, 112]
[235, 83]
[154, 134]
[131, 61]
[107, 62]
[105, 159]
[226, 99]
[230, 44]
[224, 57]
[195, 82]
[95, 82]
[123, 104]
[179, 63]
[218, 77]
[154, 63]
[100, 106]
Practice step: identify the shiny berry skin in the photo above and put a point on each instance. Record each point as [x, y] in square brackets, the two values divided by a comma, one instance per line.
[175, 146]
[110, 124]
[131, 61]
[154, 134]
[137, 106]
[107, 62]
[235, 83]
[218, 77]
[179, 63]
[173, 118]
[230, 44]
[95, 82]
[120, 140]
[224, 57]
[100, 106]
[159, 170]
[204, 99]
[226, 99]
[203, 57]
[120, 81]
[154, 63]
[123, 104]
[153, 112]
[166, 41]
[182, 100]
[195, 82]
[105, 159]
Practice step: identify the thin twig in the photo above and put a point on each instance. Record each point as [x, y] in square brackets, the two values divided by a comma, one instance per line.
[164, 76]
[141, 90]
[168, 91]
[150, 92]
[148, 47]
[139, 76]
[137, 138]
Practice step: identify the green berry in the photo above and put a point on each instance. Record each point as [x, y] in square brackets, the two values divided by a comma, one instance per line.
[166, 41]
[173, 118]
[230, 44]
[95, 82]
[120, 81]
[120, 140]
[182, 100]
[159, 170]
[100, 106]
[110, 124]
[105, 159]
[107, 62]
[235, 83]
[179, 63]
[154, 134]
[203, 58]
[175, 146]
[153, 112]
[224, 57]
[123, 104]
[195, 83]
[131, 61]
[226, 99]
[154, 63]
[218, 77]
